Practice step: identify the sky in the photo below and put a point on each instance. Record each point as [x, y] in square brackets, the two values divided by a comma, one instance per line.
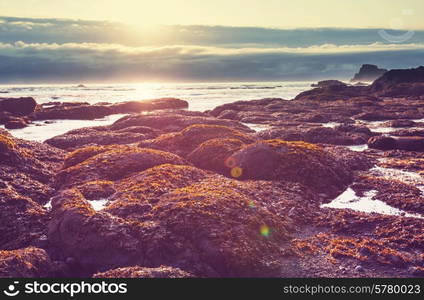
[45, 41]
[264, 13]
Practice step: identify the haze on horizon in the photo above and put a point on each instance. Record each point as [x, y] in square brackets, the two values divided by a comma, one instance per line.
[192, 40]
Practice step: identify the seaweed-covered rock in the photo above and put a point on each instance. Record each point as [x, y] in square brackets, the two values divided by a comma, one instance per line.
[182, 217]
[341, 135]
[25, 263]
[22, 221]
[143, 272]
[213, 155]
[99, 136]
[28, 167]
[300, 162]
[185, 141]
[116, 163]
[174, 121]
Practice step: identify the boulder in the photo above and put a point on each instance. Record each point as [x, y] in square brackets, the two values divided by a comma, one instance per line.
[96, 111]
[25, 263]
[340, 135]
[407, 143]
[368, 73]
[185, 141]
[143, 272]
[181, 217]
[328, 83]
[213, 154]
[382, 142]
[23, 222]
[18, 106]
[116, 163]
[15, 123]
[174, 121]
[299, 162]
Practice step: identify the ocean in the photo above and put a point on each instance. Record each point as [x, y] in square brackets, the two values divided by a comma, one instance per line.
[201, 97]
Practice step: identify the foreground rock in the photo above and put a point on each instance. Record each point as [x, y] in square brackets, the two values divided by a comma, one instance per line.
[182, 217]
[25, 263]
[140, 272]
[26, 175]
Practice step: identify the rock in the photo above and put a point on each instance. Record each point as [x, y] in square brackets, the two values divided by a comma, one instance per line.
[340, 135]
[181, 217]
[328, 83]
[28, 167]
[376, 116]
[15, 123]
[299, 162]
[333, 93]
[382, 142]
[368, 73]
[25, 263]
[400, 83]
[22, 221]
[18, 106]
[116, 163]
[416, 271]
[174, 121]
[97, 136]
[412, 143]
[96, 111]
[143, 272]
[187, 140]
[401, 123]
[213, 155]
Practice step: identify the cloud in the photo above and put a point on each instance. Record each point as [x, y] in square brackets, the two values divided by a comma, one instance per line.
[40, 50]
[95, 62]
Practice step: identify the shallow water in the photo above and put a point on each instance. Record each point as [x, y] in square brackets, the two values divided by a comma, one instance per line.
[39, 131]
[98, 204]
[200, 96]
[349, 200]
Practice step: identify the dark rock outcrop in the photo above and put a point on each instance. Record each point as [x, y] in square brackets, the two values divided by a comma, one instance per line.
[328, 83]
[96, 111]
[368, 73]
[407, 143]
[18, 106]
[407, 83]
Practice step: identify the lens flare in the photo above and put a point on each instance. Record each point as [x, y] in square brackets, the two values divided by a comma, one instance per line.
[236, 172]
[265, 231]
[230, 162]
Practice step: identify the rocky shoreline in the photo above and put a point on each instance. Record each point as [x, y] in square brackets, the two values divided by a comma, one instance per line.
[331, 186]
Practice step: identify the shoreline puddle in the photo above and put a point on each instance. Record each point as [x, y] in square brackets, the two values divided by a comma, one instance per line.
[257, 127]
[98, 205]
[350, 200]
